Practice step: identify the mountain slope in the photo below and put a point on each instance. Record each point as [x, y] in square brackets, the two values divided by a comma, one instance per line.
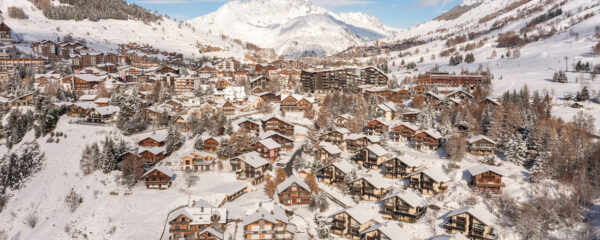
[105, 35]
[292, 27]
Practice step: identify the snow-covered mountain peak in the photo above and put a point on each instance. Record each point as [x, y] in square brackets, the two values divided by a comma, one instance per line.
[292, 27]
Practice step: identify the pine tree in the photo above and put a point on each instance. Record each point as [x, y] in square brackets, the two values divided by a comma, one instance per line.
[109, 156]
[517, 150]
[323, 226]
[469, 58]
[173, 141]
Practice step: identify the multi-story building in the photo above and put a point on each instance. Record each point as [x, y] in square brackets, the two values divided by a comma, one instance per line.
[328, 80]
[404, 205]
[200, 221]
[293, 191]
[269, 221]
[373, 76]
[473, 222]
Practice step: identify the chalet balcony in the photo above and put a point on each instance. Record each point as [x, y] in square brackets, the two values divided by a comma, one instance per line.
[490, 185]
[338, 225]
[455, 226]
[178, 230]
[427, 185]
[355, 190]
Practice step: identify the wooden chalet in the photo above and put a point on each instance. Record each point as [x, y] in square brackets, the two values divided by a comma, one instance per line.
[103, 114]
[481, 145]
[419, 89]
[295, 103]
[335, 173]
[410, 116]
[370, 188]
[337, 136]
[293, 191]
[429, 181]
[200, 221]
[250, 166]
[447, 80]
[287, 143]
[403, 131]
[342, 120]
[268, 222]
[81, 109]
[269, 97]
[460, 94]
[350, 223]
[372, 156]
[211, 144]
[489, 101]
[356, 142]
[428, 139]
[400, 167]
[406, 206]
[278, 125]
[260, 81]
[387, 230]
[152, 155]
[249, 125]
[23, 100]
[198, 161]
[376, 127]
[5, 33]
[155, 139]
[228, 108]
[327, 152]
[485, 177]
[473, 222]
[268, 149]
[158, 177]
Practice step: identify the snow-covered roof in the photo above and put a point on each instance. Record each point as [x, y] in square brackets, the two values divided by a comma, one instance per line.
[374, 138]
[102, 100]
[433, 133]
[484, 168]
[90, 77]
[340, 130]
[408, 125]
[87, 97]
[159, 136]
[107, 110]
[362, 212]
[355, 136]
[212, 231]
[390, 229]
[435, 95]
[377, 181]
[477, 211]
[270, 133]
[330, 148]
[480, 137]
[86, 105]
[161, 169]
[200, 215]
[455, 236]
[289, 181]
[269, 211]
[436, 174]
[410, 197]
[344, 166]
[153, 150]
[409, 160]
[253, 159]
[377, 150]
[269, 143]
[257, 78]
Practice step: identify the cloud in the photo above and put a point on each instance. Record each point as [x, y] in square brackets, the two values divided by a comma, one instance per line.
[431, 3]
[340, 3]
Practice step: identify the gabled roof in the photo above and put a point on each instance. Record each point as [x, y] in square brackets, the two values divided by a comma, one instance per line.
[355, 136]
[270, 211]
[340, 130]
[87, 97]
[212, 231]
[330, 148]
[390, 229]
[362, 212]
[407, 125]
[481, 137]
[410, 197]
[344, 166]
[153, 150]
[270, 133]
[289, 181]
[86, 105]
[484, 168]
[377, 150]
[253, 159]
[431, 132]
[159, 136]
[377, 181]
[269, 143]
[410, 161]
[161, 169]
[435, 174]
[476, 211]
[107, 110]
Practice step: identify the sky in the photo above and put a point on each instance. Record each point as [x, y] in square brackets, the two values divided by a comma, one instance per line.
[393, 13]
